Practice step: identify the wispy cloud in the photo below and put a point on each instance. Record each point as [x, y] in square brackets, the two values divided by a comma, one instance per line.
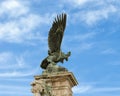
[79, 48]
[17, 73]
[81, 89]
[80, 37]
[13, 8]
[78, 2]
[19, 22]
[108, 51]
[18, 30]
[15, 66]
[4, 56]
[17, 79]
[106, 89]
[85, 89]
[85, 46]
[13, 89]
[93, 16]
[82, 42]
[9, 60]
[92, 11]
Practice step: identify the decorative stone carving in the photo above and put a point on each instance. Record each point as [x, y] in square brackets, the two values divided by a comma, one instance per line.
[57, 84]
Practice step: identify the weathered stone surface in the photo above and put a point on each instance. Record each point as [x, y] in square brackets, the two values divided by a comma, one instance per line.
[57, 84]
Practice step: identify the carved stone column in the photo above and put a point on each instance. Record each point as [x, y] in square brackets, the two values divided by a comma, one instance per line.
[54, 84]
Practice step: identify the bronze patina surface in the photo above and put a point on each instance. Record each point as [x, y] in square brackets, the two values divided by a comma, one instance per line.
[55, 53]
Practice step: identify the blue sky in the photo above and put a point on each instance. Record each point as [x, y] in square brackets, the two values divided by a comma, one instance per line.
[92, 35]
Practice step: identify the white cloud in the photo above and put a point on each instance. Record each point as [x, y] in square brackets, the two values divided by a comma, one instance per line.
[85, 46]
[93, 16]
[81, 89]
[10, 66]
[85, 89]
[17, 79]
[20, 62]
[19, 22]
[4, 57]
[108, 51]
[78, 2]
[92, 3]
[82, 47]
[106, 89]
[83, 42]
[17, 73]
[18, 30]
[13, 8]
[93, 11]
[9, 60]
[13, 89]
[81, 37]
[13, 92]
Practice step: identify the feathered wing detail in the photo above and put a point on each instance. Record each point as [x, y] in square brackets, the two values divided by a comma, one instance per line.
[56, 33]
[54, 42]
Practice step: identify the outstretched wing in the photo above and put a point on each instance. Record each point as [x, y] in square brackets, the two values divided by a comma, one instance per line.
[56, 33]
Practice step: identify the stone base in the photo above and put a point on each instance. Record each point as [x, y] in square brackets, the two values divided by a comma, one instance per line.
[55, 84]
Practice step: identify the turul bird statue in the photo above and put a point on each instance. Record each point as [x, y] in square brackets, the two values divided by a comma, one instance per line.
[55, 37]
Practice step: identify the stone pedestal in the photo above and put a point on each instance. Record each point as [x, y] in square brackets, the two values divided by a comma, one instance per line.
[54, 84]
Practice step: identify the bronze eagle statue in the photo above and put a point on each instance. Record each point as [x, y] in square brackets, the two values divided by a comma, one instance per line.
[55, 37]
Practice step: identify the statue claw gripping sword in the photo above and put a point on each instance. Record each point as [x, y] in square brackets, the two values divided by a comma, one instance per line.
[56, 33]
